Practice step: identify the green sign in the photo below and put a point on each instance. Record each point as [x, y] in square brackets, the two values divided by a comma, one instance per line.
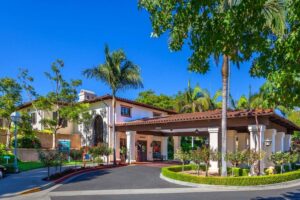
[64, 145]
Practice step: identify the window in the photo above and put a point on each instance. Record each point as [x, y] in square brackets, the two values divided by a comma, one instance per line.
[54, 115]
[156, 114]
[33, 118]
[125, 111]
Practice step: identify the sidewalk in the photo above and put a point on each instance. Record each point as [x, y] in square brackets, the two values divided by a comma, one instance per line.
[15, 183]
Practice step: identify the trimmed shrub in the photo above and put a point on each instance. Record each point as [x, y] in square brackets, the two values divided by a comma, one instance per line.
[172, 172]
[236, 171]
[27, 142]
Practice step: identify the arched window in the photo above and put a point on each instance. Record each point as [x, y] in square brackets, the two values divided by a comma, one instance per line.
[98, 135]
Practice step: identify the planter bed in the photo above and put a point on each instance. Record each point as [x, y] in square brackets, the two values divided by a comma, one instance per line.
[173, 173]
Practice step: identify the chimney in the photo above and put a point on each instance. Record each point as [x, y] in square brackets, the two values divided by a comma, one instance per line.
[86, 95]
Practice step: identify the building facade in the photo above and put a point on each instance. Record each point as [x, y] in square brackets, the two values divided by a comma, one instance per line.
[144, 130]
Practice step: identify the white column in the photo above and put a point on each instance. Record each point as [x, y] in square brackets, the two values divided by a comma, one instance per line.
[177, 140]
[213, 144]
[257, 138]
[164, 147]
[270, 134]
[130, 146]
[149, 148]
[279, 141]
[287, 142]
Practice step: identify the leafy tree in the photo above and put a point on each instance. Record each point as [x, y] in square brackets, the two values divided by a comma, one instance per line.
[162, 101]
[208, 154]
[10, 99]
[280, 65]
[253, 157]
[232, 30]
[48, 159]
[118, 73]
[196, 157]
[183, 156]
[107, 152]
[86, 119]
[62, 100]
[236, 158]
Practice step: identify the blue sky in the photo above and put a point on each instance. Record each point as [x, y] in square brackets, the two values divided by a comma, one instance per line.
[35, 33]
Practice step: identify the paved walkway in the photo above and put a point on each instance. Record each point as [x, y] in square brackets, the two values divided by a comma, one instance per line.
[15, 183]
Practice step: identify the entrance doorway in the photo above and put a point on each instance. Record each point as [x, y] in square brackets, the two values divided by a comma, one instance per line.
[141, 151]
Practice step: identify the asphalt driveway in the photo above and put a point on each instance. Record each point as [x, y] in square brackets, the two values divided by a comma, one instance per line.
[130, 177]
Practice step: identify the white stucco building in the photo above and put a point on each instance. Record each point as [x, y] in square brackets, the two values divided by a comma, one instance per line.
[144, 129]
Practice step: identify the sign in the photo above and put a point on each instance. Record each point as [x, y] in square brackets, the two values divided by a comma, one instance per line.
[7, 158]
[64, 145]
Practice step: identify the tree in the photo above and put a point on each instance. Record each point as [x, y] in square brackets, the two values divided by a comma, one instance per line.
[280, 65]
[118, 73]
[62, 100]
[196, 99]
[162, 101]
[183, 156]
[208, 154]
[48, 159]
[235, 158]
[10, 99]
[253, 157]
[227, 29]
[196, 157]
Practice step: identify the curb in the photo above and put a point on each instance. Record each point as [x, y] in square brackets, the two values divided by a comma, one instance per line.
[207, 187]
[60, 180]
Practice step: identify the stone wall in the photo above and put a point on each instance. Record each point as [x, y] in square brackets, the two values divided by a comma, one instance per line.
[29, 154]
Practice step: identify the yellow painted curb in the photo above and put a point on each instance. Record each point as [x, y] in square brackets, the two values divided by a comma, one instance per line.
[32, 190]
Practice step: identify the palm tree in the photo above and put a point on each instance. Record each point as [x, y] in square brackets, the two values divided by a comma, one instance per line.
[119, 74]
[275, 19]
[196, 99]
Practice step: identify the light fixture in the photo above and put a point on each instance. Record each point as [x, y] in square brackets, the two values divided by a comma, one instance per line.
[196, 131]
[268, 142]
[206, 141]
[15, 117]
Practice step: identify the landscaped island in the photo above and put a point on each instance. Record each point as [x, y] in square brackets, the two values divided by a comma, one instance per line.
[175, 172]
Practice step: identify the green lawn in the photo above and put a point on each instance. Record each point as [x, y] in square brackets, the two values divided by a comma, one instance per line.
[25, 166]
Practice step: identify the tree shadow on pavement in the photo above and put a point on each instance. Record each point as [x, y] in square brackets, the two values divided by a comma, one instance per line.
[284, 196]
[89, 176]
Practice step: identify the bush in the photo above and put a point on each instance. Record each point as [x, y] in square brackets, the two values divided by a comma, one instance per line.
[236, 171]
[172, 172]
[27, 142]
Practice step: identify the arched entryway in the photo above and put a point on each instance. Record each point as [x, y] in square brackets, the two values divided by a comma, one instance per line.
[98, 132]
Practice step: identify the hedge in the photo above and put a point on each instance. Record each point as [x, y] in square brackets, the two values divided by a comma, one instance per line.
[173, 173]
[237, 171]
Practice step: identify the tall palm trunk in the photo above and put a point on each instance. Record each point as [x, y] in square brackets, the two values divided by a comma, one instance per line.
[224, 112]
[114, 128]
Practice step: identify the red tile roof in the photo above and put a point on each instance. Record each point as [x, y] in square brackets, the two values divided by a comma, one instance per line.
[105, 97]
[214, 114]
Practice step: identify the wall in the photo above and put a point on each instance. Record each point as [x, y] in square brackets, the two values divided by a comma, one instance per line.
[46, 139]
[137, 112]
[29, 154]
